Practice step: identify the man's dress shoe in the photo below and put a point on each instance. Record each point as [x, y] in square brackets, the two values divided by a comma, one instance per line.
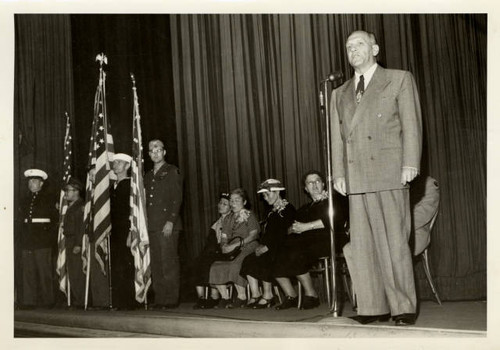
[372, 318]
[404, 319]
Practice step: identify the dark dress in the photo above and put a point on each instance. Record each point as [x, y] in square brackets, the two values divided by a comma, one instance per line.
[301, 251]
[122, 260]
[274, 235]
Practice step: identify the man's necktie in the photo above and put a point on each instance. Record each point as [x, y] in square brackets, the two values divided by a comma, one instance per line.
[360, 89]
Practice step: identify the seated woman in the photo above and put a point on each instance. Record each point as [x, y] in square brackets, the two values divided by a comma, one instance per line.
[259, 265]
[240, 223]
[308, 240]
[210, 253]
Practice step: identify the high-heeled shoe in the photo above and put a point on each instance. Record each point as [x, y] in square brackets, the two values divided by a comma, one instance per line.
[267, 303]
[288, 303]
[252, 302]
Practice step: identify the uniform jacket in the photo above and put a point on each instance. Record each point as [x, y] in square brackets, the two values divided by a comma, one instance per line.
[73, 224]
[373, 140]
[39, 235]
[163, 197]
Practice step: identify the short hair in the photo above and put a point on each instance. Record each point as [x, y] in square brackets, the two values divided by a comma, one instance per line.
[158, 141]
[371, 36]
[313, 172]
[243, 194]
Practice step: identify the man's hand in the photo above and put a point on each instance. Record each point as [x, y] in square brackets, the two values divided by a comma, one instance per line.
[408, 174]
[77, 249]
[339, 185]
[167, 229]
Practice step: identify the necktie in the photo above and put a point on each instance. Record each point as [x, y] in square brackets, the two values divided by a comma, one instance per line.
[360, 89]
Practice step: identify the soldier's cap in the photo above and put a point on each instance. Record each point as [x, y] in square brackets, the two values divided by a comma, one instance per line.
[75, 183]
[270, 185]
[36, 174]
[122, 156]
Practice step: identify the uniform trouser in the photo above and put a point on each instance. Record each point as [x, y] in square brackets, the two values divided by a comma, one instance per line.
[380, 259]
[99, 284]
[76, 277]
[165, 267]
[38, 285]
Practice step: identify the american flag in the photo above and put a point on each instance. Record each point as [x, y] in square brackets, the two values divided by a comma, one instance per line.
[138, 231]
[63, 207]
[97, 206]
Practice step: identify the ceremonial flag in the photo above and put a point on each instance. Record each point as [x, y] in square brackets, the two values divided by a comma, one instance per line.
[98, 209]
[61, 268]
[138, 231]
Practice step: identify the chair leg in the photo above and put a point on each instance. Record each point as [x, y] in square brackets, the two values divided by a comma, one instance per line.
[425, 258]
[327, 281]
[299, 293]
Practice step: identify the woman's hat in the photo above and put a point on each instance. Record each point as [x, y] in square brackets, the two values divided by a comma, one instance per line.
[270, 185]
[224, 195]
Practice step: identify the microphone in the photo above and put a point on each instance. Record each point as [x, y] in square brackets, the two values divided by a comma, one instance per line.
[334, 76]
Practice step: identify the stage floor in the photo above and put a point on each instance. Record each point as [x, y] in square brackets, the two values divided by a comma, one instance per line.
[452, 319]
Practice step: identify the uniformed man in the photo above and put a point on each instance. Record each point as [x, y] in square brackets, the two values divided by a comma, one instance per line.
[39, 235]
[164, 197]
[122, 261]
[73, 233]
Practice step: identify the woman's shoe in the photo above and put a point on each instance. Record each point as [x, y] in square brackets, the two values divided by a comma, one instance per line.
[309, 302]
[200, 304]
[238, 303]
[223, 304]
[266, 304]
[252, 302]
[210, 303]
[288, 303]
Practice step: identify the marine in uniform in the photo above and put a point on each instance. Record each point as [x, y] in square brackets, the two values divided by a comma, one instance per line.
[163, 186]
[39, 236]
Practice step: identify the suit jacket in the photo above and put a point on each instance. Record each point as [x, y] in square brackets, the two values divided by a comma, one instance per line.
[163, 197]
[373, 140]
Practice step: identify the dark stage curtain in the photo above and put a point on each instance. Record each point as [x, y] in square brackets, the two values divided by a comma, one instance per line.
[138, 44]
[43, 92]
[247, 109]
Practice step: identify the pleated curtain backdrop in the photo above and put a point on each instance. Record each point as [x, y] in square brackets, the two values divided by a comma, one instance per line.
[247, 108]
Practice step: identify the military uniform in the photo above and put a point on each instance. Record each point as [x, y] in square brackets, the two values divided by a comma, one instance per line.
[122, 261]
[39, 236]
[73, 233]
[164, 198]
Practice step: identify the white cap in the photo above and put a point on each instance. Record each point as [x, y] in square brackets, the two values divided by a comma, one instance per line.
[122, 156]
[36, 173]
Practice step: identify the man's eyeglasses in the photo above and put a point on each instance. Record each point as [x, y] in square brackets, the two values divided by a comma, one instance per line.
[315, 182]
[156, 151]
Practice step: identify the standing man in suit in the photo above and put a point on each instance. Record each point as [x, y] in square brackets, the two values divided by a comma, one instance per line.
[377, 144]
[163, 186]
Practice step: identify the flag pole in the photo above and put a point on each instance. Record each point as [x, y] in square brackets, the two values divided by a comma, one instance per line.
[87, 279]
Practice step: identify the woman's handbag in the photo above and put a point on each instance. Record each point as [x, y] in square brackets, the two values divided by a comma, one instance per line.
[230, 256]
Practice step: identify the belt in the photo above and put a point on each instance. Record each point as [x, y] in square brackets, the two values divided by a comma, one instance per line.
[37, 221]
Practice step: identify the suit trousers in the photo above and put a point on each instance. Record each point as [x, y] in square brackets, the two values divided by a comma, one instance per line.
[381, 264]
[165, 267]
[38, 285]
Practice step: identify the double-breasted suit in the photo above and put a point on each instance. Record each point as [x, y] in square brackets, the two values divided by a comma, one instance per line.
[371, 143]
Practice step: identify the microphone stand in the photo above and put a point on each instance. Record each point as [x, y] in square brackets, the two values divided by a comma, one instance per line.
[325, 113]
